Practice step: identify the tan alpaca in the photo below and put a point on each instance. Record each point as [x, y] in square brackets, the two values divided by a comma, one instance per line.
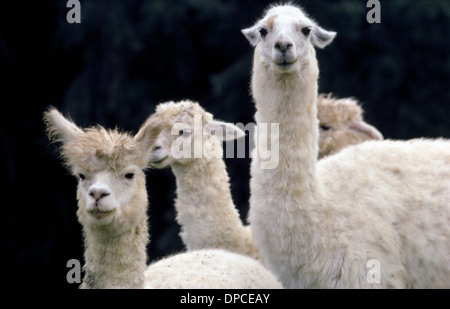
[205, 209]
[341, 124]
[374, 215]
[112, 208]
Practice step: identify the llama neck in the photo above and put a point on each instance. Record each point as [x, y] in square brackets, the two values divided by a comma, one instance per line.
[290, 101]
[115, 260]
[205, 210]
[288, 193]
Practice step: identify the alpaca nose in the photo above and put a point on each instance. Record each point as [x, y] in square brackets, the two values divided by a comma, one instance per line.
[283, 46]
[99, 192]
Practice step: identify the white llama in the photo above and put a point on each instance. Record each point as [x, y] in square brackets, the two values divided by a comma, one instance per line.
[205, 209]
[374, 215]
[208, 217]
[112, 208]
[341, 124]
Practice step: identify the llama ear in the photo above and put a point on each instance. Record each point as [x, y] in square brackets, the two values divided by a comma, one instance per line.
[147, 134]
[59, 128]
[252, 34]
[224, 131]
[321, 37]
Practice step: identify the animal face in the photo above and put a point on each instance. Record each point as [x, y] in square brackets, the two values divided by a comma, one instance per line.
[188, 133]
[105, 194]
[342, 125]
[285, 37]
[173, 140]
[109, 166]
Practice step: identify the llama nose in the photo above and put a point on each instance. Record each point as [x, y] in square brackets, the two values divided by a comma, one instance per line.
[99, 192]
[283, 46]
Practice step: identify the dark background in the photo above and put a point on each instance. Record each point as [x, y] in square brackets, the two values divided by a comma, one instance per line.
[127, 56]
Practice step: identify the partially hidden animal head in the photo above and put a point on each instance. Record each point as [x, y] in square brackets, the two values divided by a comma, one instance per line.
[109, 166]
[285, 38]
[341, 124]
[188, 133]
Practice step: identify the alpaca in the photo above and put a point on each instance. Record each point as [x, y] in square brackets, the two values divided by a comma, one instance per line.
[374, 215]
[239, 272]
[341, 124]
[205, 209]
[112, 208]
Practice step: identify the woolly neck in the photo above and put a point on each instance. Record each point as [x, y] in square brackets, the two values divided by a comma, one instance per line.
[115, 261]
[285, 200]
[290, 101]
[205, 209]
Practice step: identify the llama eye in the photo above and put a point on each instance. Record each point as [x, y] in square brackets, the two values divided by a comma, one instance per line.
[81, 176]
[324, 127]
[263, 32]
[306, 31]
[129, 176]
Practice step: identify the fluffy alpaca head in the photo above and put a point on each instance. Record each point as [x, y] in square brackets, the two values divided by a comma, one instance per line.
[284, 38]
[341, 125]
[109, 166]
[187, 133]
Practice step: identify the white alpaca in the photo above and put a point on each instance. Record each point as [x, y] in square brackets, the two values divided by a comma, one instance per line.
[341, 124]
[205, 209]
[112, 207]
[375, 215]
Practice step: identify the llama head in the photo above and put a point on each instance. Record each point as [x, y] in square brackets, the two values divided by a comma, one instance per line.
[109, 166]
[285, 38]
[341, 125]
[187, 133]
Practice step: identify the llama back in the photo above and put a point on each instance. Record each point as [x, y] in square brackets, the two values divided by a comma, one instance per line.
[406, 205]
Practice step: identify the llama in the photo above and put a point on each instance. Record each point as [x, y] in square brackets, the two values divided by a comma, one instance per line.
[325, 224]
[112, 208]
[205, 209]
[341, 124]
[215, 223]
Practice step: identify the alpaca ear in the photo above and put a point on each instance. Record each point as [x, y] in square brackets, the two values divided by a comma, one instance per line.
[321, 37]
[224, 131]
[147, 135]
[252, 34]
[59, 128]
[366, 129]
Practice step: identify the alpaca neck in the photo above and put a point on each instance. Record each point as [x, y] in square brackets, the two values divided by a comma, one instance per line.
[115, 260]
[205, 210]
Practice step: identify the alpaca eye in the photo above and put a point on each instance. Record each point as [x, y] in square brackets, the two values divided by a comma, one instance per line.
[184, 133]
[129, 176]
[81, 176]
[306, 31]
[324, 127]
[263, 32]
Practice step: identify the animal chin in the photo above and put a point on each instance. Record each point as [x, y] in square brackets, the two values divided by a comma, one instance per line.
[100, 214]
[283, 65]
[158, 162]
